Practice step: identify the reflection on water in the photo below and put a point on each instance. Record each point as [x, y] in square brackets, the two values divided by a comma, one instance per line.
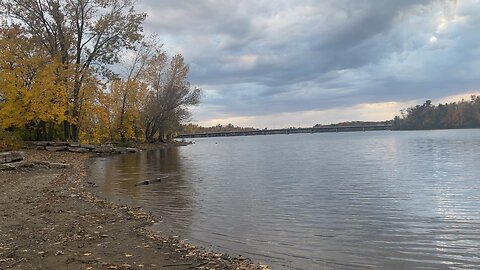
[116, 177]
[369, 200]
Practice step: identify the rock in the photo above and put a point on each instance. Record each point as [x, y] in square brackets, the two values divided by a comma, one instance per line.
[88, 146]
[74, 145]
[104, 150]
[56, 148]
[58, 143]
[15, 165]
[78, 150]
[9, 157]
[42, 144]
[120, 150]
[132, 150]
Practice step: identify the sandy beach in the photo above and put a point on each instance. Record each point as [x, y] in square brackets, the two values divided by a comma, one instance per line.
[49, 220]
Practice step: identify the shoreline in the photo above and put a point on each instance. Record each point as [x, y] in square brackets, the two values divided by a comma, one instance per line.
[50, 220]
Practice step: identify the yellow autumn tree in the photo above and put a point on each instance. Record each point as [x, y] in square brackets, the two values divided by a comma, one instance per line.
[127, 99]
[32, 86]
[94, 120]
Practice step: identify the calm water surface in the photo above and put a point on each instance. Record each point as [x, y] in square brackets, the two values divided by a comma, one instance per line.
[364, 200]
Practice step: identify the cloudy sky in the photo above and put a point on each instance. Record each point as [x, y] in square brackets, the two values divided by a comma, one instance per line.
[285, 63]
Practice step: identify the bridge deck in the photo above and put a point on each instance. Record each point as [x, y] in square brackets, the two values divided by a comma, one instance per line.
[287, 131]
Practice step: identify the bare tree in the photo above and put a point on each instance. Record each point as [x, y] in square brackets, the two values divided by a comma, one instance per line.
[170, 96]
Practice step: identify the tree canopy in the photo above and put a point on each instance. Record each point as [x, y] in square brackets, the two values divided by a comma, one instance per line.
[462, 114]
[57, 81]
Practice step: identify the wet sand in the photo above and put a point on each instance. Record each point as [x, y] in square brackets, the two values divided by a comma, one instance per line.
[49, 220]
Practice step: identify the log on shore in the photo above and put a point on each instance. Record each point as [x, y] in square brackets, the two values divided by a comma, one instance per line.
[51, 164]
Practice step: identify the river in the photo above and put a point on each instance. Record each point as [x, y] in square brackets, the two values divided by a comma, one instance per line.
[360, 200]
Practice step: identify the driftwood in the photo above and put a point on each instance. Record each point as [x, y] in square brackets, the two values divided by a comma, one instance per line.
[148, 182]
[51, 164]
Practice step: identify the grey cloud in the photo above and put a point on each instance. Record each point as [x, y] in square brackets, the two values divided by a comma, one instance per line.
[282, 56]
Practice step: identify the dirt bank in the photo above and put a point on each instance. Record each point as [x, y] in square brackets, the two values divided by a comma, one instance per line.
[49, 221]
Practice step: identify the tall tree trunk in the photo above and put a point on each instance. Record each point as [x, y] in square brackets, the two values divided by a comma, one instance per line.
[122, 116]
[50, 131]
[66, 130]
[76, 109]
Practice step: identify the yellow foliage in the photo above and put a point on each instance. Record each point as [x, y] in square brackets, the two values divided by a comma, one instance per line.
[95, 112]
[31, 84]
[127, 98]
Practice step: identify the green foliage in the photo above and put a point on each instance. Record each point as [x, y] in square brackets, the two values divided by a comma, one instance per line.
[462, 114]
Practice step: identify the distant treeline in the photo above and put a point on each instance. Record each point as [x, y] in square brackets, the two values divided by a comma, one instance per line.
[461, 114]
[193, 128]
[355, 123]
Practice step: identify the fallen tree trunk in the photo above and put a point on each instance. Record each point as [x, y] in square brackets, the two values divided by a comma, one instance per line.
[148, 182]
[51, 164]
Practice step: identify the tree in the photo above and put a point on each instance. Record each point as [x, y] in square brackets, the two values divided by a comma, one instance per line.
[462, 114]
[169, 97]
[85, 36]
[129, 93]
[32, 95]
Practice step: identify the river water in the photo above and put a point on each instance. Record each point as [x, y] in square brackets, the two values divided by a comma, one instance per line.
[361, 200]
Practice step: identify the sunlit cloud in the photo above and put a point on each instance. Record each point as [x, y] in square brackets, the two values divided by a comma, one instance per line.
[361, 112]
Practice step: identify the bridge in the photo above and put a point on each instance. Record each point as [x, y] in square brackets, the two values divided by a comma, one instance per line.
[320, 129]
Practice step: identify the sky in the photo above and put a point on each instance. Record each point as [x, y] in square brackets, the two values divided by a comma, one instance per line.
[285, 63]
